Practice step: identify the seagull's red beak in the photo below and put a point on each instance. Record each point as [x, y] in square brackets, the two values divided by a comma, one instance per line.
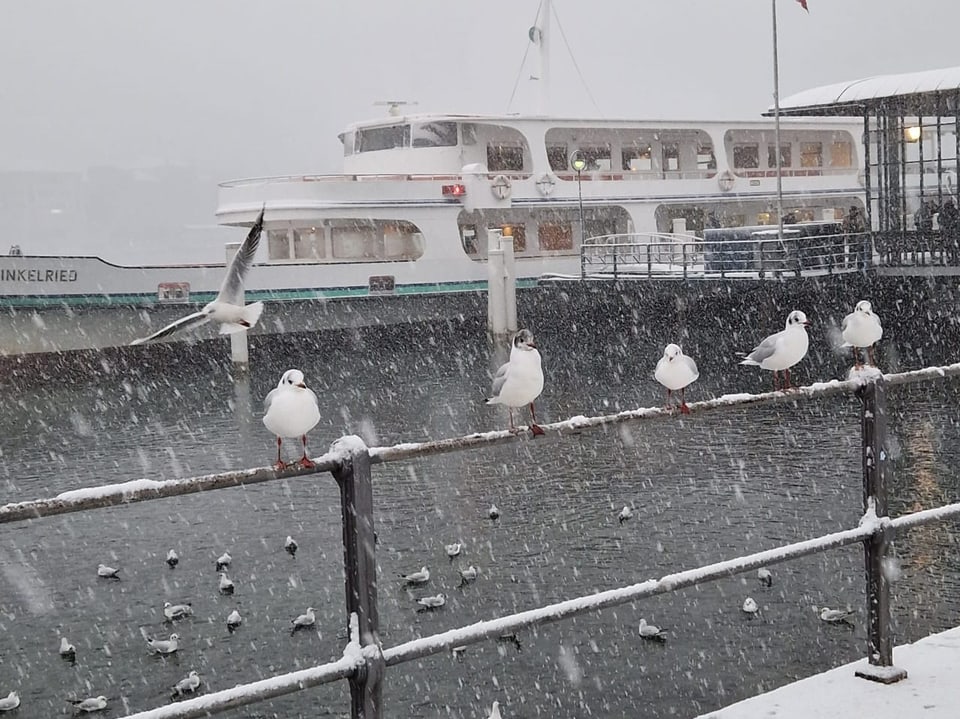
[806, 323]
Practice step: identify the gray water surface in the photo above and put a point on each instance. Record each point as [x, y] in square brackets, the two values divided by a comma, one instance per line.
[703, 488]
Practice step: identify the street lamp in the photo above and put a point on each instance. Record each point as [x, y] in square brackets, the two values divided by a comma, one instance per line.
[578, 163]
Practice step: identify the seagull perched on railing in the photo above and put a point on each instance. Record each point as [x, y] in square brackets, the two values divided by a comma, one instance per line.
[520, 381]
[782, 350]
[675, 371]
[861, 328]
[291, 409]
[227, 307]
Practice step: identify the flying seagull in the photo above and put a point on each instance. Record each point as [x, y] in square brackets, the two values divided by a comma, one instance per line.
[227, 307]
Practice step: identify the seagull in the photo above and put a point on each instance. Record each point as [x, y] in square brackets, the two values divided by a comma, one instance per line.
[106, 572]
[434, 602]
[750, 607]
[187, 685]
[675, 371]
[453, 550]
[458, 652]
[67, 650]
[226, 308]
[303, 621]
[165, 646]
[173, 612]
[493, 512]
[520, 381]
[495, 711]
[468, 575]
[10, 702]
[765, 577]
[782, 350]
[625, 514]
[234, 620]
[93, 704]
[226, 585]
[290, 545]
[835, 616]
[651, 632]
[223, 561]
[173, 558]
[291, 410]
[861, 328]
[422, 576]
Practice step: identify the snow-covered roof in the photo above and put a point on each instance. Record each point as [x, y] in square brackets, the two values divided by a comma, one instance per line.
[849, 98]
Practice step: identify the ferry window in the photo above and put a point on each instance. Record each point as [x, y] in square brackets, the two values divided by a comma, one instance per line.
[746, 156]
[671, 156]
[841, 154]
[637, 159]
[278, 245]
[556, 236]
[706, 160]
[308, 244]
[358, 241]
[811, 154]
[785, 156]
[558, 158]
[383, 138]
[434, 134]
[504, 158]
[402, 241]
[469, 132]
[468, 238]
[598, 158]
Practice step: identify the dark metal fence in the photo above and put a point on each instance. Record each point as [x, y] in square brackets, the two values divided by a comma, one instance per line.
[364, 660]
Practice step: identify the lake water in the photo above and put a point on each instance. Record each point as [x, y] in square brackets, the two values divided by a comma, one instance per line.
[703, 489]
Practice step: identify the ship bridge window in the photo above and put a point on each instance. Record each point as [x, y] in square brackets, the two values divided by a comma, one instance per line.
[278, 245]
[308, 243]
[811, 154]
[558, 157]
[371, 139]
[434, 134]
[786, 156]
[375, 240]
[841, 154]
[638, 158]
[502, 157]
[746, 156]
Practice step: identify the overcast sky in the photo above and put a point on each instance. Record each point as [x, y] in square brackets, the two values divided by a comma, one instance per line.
[241, 88]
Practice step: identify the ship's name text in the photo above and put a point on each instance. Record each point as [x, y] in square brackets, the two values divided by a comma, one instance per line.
[38, 275]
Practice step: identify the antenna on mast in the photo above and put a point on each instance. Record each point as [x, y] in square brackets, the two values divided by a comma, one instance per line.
[539, 35]
[393, 106]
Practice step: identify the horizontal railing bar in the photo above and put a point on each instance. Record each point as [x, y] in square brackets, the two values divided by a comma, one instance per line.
[925, 516]
[473, 633]
[141, 490]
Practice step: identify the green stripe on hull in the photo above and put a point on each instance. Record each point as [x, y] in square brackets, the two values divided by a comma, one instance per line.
[150, 300]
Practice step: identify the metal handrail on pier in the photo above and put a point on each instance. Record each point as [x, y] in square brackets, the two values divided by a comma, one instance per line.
[364, 660]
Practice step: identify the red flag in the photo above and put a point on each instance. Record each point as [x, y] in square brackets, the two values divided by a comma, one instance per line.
[803, 4]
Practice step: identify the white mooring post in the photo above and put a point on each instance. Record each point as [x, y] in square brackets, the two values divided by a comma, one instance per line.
[239, 352]
[501, 284]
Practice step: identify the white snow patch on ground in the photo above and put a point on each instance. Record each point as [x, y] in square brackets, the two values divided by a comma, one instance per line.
[929, 691]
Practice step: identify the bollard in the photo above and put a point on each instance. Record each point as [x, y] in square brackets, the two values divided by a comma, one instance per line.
[509, 282]
[360, 573]
[239, 352]
[496, 307]
[873, 424]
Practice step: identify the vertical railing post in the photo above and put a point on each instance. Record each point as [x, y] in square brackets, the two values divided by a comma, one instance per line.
[360, 571]
[873, 423]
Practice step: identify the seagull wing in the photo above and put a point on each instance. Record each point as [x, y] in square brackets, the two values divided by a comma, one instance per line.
[242, 261]
[763, 350]
[499, 378]
[184, 323]
[692, 365]
[268, 400]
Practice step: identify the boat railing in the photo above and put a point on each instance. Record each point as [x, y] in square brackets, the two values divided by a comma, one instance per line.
[684, 256]
[364, 660]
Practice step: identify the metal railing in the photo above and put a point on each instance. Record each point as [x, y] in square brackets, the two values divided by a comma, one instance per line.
[650, 255]
[364, 660]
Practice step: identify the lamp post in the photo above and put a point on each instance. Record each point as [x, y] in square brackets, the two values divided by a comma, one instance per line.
[579, 164]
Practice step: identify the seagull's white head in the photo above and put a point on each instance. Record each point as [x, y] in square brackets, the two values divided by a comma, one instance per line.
[864, 306]
[292, 378]
[523, 340]
[174, 637]
[672, 351]
[797, 319]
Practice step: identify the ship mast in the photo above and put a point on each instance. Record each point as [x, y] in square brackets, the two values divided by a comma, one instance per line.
[540, 36]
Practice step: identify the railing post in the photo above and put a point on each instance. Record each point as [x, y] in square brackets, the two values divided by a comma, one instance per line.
[873, 423]
[360, 571]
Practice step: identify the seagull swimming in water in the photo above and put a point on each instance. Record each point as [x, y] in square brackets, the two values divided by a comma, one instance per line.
[468, 575]
[173, 559]
[422, 576]
[226, 584]
[93, 704]
[453, 550]
[861, 328]
[652, 632]
[676, 371]
[765, 577]
[188, 685]
[227, 307]
[304, 621]
[224, 561]
[493, 512]
[106, 572]
[234, 620]
[782, 350]
[67, 650]
[290, 545]
[834, 616]
[520, 381]
[495, 711]
[10, 702]
[625, 514]
[434, 602]
[164, 646]
[291, 410]
[173, 612]
[750, 606]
